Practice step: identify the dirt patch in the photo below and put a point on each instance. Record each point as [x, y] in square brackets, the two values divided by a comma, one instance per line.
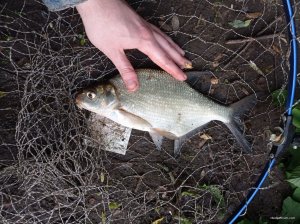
[48, 174]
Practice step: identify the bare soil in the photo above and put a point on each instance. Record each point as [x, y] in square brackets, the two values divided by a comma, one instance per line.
[149, 183]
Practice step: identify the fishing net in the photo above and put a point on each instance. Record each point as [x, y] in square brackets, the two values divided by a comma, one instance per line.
[49, 175]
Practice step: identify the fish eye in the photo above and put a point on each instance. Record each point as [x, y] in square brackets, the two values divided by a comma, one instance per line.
[91, 95]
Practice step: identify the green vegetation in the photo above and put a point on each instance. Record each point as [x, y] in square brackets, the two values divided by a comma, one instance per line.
[291, 166]
[82, 39]
[113, 205]
[182, 220]
[2, 94]
[247, 221]
[279, 97]
[240, 24]
[216, 194]
[291, 205]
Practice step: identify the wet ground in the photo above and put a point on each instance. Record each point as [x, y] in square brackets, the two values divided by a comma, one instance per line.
[48, 174]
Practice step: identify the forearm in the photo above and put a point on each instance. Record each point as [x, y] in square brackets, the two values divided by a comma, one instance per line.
[56, 5]
[113, 27]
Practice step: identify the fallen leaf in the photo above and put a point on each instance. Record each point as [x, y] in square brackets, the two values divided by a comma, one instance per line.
[255, 68]
[202, 174]
[102, 177]
[253, 15]
[276, 138]
[214, 81]
[158, 221]
[175, 23]
[239, 23]
[276, 49]
[188, 65]
[205, 136]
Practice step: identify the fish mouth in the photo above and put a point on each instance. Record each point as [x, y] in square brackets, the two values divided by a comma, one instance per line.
[78, 102]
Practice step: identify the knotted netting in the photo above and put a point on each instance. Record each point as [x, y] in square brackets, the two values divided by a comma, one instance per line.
[49, 175]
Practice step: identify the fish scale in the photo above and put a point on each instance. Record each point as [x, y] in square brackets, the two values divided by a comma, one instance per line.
[163, 106]
[168, 104]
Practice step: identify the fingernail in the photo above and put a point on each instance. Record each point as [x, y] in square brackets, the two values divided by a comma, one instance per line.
[188, 65]
[184, 77]
[131, 85]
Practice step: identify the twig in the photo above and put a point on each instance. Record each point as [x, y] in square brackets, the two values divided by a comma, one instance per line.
[247, 44]
[250, 39]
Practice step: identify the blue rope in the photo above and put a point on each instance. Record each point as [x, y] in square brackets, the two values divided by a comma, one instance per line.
[260, 183]
[294, 58]
[289, 106]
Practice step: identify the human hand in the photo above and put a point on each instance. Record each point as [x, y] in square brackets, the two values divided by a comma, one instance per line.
[112, 26]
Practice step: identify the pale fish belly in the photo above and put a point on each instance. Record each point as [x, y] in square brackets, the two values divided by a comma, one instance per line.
[168, 104]
[178, 119]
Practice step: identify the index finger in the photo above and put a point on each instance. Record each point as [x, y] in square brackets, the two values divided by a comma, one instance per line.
[161, 58]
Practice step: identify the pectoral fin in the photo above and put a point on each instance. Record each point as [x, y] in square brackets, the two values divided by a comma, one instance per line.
[130, 120]
[157, 139]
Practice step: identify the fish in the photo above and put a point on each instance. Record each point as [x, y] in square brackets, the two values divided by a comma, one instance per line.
[163, 107]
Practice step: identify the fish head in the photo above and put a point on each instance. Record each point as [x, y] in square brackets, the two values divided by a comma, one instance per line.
[98, 99]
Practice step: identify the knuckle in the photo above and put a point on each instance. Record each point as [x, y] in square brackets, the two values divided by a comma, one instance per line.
[126, 72]
[167, 63]
[145, 33]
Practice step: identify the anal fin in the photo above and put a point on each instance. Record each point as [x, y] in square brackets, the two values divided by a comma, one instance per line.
[157, 139]
[178, 143]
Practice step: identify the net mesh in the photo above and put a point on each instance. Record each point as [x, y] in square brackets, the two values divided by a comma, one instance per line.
[48, 174]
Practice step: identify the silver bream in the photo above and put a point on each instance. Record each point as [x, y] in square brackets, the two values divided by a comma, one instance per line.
[164, 107]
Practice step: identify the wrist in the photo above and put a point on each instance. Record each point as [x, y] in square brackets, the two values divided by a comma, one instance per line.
[88, 7]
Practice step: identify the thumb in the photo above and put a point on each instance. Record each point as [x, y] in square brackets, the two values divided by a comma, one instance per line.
[126, 71]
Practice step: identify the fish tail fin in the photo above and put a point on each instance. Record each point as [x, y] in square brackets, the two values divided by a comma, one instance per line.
[246, 147]
[235, 125]
[243, 106]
